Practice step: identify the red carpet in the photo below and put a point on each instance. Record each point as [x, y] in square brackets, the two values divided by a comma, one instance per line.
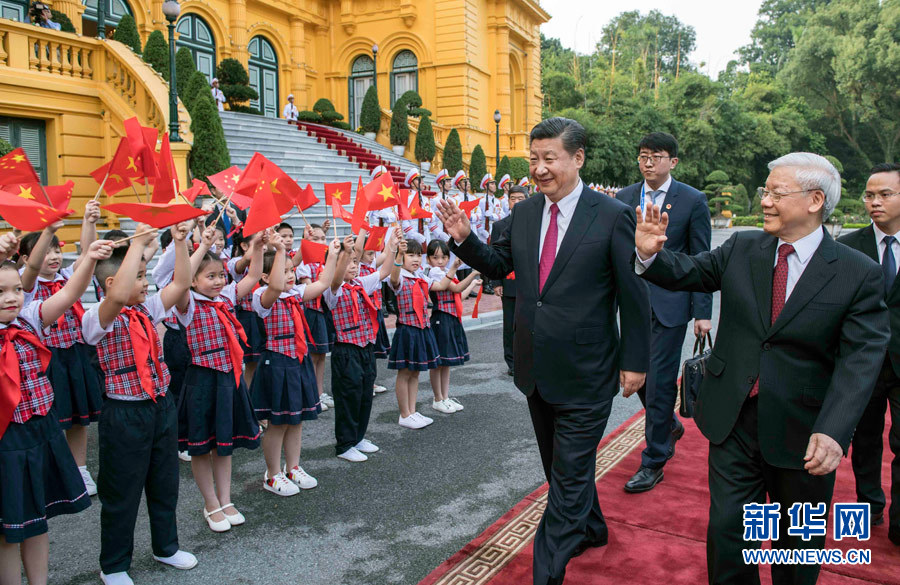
[639, 551]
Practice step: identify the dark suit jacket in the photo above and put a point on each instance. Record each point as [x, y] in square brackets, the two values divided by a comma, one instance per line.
[864, 241]
[817, 363]
[566, 341]
[689, 231]
[508, 284]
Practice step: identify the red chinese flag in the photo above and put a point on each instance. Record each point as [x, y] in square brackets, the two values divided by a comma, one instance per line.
[377, 237]
[26, 215]
[114, 182]
[416, 211]
[61, 195]
[196, 189]
[166, 186]
[339, 191]
[468, 206]
[225, 182]
[250, 177]
[158, 215]
[15, 168]
[142, 146]
[261, 171]
[360, 209]
[312, 252]
[307, 198]
[381, 193]
[263, 212]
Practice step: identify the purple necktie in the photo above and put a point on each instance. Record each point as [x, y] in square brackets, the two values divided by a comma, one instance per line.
[548, 252]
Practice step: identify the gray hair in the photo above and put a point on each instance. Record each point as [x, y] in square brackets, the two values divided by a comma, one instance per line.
[814, 172]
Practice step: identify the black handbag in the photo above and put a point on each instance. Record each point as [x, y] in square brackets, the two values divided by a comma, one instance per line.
[692, 372]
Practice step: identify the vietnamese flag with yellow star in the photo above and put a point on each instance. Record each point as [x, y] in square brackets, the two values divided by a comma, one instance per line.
[360, 209]
[15, 168]
[382, 193]
[411, 210]
[286, 192]
[157, 215]
[377, 236]
[120, 171]
[467, 206]
[264, 212]
[225, 182]
[196, 189]
[26, 215]
[339, 191]
[142, 143]
[166, 187]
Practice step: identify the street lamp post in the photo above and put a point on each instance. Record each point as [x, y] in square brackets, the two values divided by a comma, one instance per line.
[101, 19]
[497, 122]
[171, 9]
[375, 66]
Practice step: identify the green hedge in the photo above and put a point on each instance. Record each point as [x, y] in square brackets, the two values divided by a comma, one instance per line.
[65, 25]
[370, 115]
[745, 220]
[477, 166]
[518, 168]
[855, 225]
[309, 116]
[127, 33]
[156, 53]
[425, 148]
[196, 85]
[503, 168]
[453, 160]
[331, 117]
[209, 154]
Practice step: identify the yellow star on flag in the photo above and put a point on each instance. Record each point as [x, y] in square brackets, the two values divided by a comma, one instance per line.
[116, 178]
[40, 211]
[274, 188]
[337, 195]
[25, 192]
[380, 241]
[18, 158]
[414, 211]
[234, 178]
[386, 192]
[131, 165]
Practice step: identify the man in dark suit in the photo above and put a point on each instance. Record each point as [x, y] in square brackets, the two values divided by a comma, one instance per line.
[688, 232]
[795, 359]
[881, 242]
[505, 288]
[571, 250]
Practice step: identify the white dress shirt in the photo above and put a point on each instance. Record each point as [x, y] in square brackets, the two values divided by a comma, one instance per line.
[881, 247]
[566, 210]
[804, 248]
[660, 194]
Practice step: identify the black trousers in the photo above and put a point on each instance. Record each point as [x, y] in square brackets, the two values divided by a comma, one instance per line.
[353, 373]
[567, 437]
[868, 445]
[738, 475]
[509, 315]
[660, 391]
[138, 453]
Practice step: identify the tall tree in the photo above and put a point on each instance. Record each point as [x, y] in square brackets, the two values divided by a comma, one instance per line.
[776, 31]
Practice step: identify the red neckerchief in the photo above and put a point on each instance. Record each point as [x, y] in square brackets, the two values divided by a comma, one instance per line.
[235, 353]
[371, 311]
[11, 375]
[139, 328]
[420, 293]
[457, 301]
[301, 326]
[54, 287]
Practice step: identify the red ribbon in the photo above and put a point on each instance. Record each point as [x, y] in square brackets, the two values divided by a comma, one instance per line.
[235, 353]
[11, 376]
[54, 287]
[144, 348]
[301, 326]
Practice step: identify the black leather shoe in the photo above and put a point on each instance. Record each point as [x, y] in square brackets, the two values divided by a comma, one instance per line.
[589, 543]
[676, 434]
[878, 519]
[644, 480]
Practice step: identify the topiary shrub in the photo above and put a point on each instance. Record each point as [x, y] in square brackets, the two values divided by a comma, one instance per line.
[370, 116]
[309, 116]
[184, 68]
[209, 155]
[196, 86]
[127, 33]
[503, 167]
[235, 83]
[5, 147]
[65, 25]
[425, 148]
[745, 220]
[399, 134]
[518, 168]
[156, 53]
[453, 161]
[331, 116]
[342, 126]
[477, 166]
[323, 105]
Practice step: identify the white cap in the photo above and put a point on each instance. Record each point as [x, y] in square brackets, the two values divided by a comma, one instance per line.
[411, 176]
[460, 175]
[488, 178]
[290, 96]
[379, 170]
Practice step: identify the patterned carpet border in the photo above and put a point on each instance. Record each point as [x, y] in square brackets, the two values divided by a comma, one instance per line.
[480, 565]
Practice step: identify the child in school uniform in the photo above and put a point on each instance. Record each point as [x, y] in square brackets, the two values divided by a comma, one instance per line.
[215, 415]
[321, 322]
[353, 367]
[371, 261]
[138, 424]
[414, 348]
[249, 320]
[77, 387]
[39, 479]
[284, 389]
[447, 293]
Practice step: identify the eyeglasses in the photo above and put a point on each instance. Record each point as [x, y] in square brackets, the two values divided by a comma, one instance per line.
[776, 197]
[869, 197]
[656, 158]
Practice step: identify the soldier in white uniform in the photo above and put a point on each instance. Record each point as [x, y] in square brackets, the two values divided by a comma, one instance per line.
[495, 204]
[415, 228]
[290, 110]
[435, 227]
[217, 94]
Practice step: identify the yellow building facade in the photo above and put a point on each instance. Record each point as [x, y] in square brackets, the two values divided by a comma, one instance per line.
[466, 58]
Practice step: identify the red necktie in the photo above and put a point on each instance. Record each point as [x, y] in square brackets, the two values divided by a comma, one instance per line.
[457, 301]
[301, 327]
[54, 287]
[548, 252]
[235, 353]
[420, 293]
[779, 292]
[11, 375]
[371, 311]
[144, 348]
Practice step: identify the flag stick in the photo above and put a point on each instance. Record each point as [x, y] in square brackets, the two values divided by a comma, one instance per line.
[300, 212]
[47, 197]
[134, 236]
[103, 184]
[334, 221]
[146, 189]
[136, 194]
[224, 205]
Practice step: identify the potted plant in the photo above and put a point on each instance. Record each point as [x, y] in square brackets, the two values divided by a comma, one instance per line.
[370, 115]
[425, 148]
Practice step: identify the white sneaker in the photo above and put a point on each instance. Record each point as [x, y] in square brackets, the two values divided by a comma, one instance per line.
[180, 560]
[367, 446]
[455, 404]
[183, 455]
[379, 389]
[327, 400]
[442, 406]
[121, 578]
[353, 455]
[322, 404]
[303, 480]
[280, 485]
[423, 419]
[410, 422]
[88, 481]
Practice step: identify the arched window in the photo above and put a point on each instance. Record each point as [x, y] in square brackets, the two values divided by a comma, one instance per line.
[263, 70]
[404, 75]
[115, 10]
[362, 75]
[196, 35]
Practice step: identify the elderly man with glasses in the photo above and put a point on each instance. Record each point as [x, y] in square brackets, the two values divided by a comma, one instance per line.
[803, 329]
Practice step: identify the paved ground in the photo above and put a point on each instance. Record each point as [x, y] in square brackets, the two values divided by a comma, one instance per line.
[389, 520]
